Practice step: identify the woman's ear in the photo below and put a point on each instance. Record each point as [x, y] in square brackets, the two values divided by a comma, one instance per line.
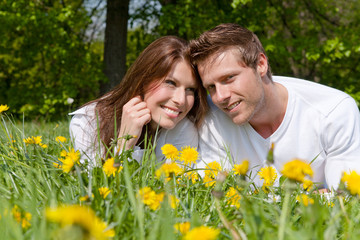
[262, 65]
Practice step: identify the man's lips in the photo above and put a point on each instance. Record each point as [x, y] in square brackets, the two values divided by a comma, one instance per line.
[232, 106]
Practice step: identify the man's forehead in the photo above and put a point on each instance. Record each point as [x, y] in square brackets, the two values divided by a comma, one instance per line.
[217, 57]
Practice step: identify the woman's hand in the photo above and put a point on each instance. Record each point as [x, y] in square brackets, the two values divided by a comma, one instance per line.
[135, 115]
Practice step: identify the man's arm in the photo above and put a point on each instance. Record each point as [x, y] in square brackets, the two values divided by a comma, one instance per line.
[342, 141]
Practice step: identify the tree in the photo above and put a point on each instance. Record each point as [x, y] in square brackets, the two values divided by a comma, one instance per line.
[115, 42]
[45, 58]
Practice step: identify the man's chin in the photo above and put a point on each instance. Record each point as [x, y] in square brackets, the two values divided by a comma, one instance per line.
[238, 121]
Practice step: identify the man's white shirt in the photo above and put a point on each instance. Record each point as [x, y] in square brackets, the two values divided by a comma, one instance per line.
[321, 125]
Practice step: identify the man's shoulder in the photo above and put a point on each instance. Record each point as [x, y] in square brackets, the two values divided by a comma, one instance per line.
[320, 97]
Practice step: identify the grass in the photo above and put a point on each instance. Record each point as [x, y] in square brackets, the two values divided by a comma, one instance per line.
[30, 184]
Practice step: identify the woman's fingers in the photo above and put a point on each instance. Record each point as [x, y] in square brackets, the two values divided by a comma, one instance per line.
[139, 117]
[134, 116]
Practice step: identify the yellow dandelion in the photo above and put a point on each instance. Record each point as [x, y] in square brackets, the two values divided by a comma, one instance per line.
[21, 217]
[25, 223]
[155, 205]
[297, 170]
[182, 228]
[305, 199]
[43, 145]
[60, 139]
[104, 192]
[3, 108]
[213, 169]
[73, 155]
[233, 197]
[307, 184]
[170, 151]
[241, 169]
[16, 213]
[63, 153]
[203, 233]
[269, 175]
[109, 168]
[193, 176]
[150, 198]
[69, 159]
[208, 181]
[37, 139]
[147, 195]
[188, 155]
[33, 140]
[67, 165]
[352, 182]
[174, 201]
[85, 198]
[80, 216]
[56, 165]
[169, 170]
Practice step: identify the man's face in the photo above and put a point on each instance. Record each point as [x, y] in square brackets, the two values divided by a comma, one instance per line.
[233, 87]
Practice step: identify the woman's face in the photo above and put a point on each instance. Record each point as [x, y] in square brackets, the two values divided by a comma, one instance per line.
[173, 98]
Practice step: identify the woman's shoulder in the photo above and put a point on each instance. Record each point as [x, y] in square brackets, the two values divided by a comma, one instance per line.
[88, 110]
[184, 124]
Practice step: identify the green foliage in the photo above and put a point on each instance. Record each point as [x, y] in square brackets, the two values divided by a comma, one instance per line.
[44, 58]
[137, 41]
[315, 40]
[29, 180]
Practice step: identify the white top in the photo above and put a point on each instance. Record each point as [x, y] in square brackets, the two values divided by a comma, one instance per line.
[320, 123]
[83, 132]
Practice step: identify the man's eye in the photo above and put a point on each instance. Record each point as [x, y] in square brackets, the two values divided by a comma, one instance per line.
[210, 87]
[170, 82]
[230, 76]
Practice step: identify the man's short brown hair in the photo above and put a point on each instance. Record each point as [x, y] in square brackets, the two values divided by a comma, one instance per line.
[223, 37]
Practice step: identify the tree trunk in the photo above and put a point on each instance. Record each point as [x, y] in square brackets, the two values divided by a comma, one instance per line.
[115, 43]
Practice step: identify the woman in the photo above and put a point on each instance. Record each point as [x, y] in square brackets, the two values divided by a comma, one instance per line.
[161, 91]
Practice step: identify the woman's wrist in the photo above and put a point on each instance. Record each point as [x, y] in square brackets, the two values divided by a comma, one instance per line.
[126, 142]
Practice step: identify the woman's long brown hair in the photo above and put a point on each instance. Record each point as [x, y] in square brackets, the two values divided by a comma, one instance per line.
[152, 66]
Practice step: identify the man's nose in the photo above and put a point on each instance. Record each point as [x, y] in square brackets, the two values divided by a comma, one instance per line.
[222, 93]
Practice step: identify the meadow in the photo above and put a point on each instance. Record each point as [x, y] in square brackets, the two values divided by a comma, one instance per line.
[47, 193]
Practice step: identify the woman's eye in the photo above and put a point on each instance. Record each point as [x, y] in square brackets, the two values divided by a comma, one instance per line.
[230, 76]
[193, 90]
[170, 82]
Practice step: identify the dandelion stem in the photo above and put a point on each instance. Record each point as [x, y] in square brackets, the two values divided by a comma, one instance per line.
[283, 216]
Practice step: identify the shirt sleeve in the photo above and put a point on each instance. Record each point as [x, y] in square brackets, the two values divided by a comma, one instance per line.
[82, 133]
[342, 141]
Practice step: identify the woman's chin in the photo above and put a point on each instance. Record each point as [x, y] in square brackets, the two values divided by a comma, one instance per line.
[168, 124]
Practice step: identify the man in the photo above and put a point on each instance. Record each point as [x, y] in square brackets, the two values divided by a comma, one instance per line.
[252, 110]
